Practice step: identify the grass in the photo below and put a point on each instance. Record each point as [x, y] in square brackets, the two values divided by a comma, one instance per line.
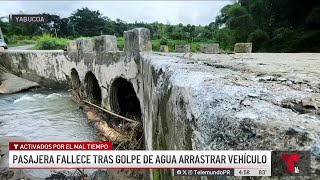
[48, 42]
[120, 43]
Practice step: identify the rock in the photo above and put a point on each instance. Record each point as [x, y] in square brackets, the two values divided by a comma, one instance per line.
[246, 103]
[6, 175]
[315, 149]
[182, 48]
[308, 90]
[289, 83]
[253, 95]
[200, 62]
[243, 48]
[2, 51]
[296, 131]
[10, 83]
[99, 175]
[209, 48]
[164, 48]
[282, 79]
[266, 78]
[310, 102]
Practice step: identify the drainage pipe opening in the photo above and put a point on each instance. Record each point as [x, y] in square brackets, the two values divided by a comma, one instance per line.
[92, 88]
[123, 99]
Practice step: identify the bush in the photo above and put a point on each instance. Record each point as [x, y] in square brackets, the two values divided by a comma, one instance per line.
[225, 38]
[284, 40]
[258, 39]
[120, 43]
[17, 39]
[156, 44]
[309, 42]
[47, 42]
[26, 41]
[6, 39]
[164, 41]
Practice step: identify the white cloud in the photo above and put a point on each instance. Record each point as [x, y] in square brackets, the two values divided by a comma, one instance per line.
[186, 12]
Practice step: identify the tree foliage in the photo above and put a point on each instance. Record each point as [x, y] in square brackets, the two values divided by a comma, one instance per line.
[271, 25]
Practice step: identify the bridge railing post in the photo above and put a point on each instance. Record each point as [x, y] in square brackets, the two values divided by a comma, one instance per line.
[137, 40]
[105, 43]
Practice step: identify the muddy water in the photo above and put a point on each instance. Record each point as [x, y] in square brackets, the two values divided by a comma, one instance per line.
[44, 115]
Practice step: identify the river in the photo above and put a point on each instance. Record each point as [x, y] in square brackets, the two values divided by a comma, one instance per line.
[43, 115]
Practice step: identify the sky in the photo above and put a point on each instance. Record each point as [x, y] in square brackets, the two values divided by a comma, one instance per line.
[172, 12]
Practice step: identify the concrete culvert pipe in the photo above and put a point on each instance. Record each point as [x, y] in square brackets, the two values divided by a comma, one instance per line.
[92, 88]
[75, 80]
[123, 99]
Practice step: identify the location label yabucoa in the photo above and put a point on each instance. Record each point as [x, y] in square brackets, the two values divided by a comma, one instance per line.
[29, 18]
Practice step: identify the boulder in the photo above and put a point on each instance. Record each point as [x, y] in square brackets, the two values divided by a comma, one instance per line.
[182, 48]
[164, 48]
[243, 48]
[209, 48]
[10, 83]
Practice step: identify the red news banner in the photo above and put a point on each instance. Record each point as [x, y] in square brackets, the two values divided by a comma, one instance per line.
[62, 146]
[99, 155]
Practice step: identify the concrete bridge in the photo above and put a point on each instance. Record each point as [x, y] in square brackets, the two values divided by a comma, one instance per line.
[185, 101]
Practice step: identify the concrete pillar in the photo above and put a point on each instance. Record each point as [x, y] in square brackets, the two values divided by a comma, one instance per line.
[85, 45]
[72, 46]
[164, 48]
[137, 40]
[243, 48]
[182, 48]
[105, 43]
[209, 48]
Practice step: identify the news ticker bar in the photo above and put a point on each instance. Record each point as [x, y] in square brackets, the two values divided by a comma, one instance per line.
[99, 155]
[222, 172]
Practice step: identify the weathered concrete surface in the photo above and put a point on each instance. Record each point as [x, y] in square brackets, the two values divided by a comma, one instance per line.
[182, 48]
[217, 107]
[2, 50]
[72, 46]
[243, 48]
[10, 83]
[137, 40]
[105, 43]
[209, 48]
[43, 67]
[164, 48]
[296, 70]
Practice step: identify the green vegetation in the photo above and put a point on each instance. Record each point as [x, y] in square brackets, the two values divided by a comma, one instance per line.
[19, 40]
[120, 43]
[272, 26]
[47, 42]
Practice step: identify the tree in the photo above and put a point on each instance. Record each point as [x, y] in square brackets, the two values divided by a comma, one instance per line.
[87, 22]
